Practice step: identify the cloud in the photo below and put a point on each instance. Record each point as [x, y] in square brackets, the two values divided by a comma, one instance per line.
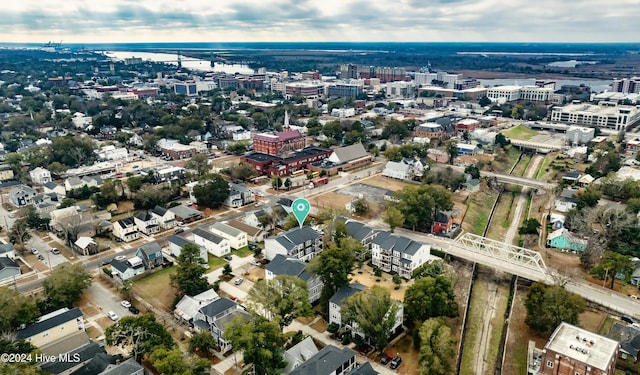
[327, 20]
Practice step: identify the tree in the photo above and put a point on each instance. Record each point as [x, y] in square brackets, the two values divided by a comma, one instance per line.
[430, 297]
[353, 246]
[16, 309]
[484, 101]
[333, 266]
[374, 312]
[360, 206]
[333, 129]
[173, 362]
[242, 172]
[472, 170]
[213, 192]
[501, 140]
[288, 183]
[202, 342]
[419, 204]
[261, 341]
[141, 333]
[134, 184]
[227, 270]
[548, 306]
[276, 182]
[190, 278]
[452, 149]
[529, 226]
[65, 285]
[437, 348]
[587, 197]
[393, 217]
[199, 163]
[613, 265]
[19, 234]
[282, 299]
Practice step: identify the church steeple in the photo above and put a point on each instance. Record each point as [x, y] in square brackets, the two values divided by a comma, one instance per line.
[286, 126]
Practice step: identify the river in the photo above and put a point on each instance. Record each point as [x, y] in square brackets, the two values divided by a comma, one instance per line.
[187, 62]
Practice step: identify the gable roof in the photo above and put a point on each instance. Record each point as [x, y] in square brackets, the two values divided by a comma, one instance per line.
[225, 228]
[188, 306]
[185, 212]
[208, 235]
[125, 368]
[364, 369]
[83, 242]
[297, 236]
[125, 223]
[349, 153]
[50, 185]
[179, 241]
[248, 229]
[150, 248]
[120, 266]
[218, 306]
[358, 230]
[299, 353]
[401, 244]
[628, 336]
[85, 353]
[282, 265]
[397, 166]
[325, 362]
[5, 262]
[346, 292]
[564, 232]
[49, 321]
[159, 210]
[144, 216]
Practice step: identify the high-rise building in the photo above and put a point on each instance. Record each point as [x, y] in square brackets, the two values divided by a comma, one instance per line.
[188, 88]
[627, 85]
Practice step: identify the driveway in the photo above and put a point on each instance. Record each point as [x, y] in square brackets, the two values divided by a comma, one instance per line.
[105, 300]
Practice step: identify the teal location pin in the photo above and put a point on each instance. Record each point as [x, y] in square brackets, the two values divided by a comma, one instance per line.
[301, 208]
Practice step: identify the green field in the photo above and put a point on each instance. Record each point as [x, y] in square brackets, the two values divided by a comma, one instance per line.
[543, 167]
[474, 326]
[242, 252]
[520, 132]
[215, 262]
[156, 288]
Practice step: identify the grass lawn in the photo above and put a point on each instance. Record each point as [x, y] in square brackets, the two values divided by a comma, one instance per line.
[521, 168]
[520, 132]
[605, 327]
[477, 214]
[479, 295]
[156, 288]
[497, 326]
[242, 252]
[543, 167]
[215, 262]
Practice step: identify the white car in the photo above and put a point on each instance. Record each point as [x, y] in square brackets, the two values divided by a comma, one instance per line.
[121, 257]
[113, 316]
[239, 281]
[34, 251]
[125, 304]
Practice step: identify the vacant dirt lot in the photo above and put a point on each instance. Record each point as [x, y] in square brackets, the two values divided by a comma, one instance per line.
[368, 278]
[384, 182]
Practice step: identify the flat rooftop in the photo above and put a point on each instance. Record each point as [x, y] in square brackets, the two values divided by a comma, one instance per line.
[587, 347]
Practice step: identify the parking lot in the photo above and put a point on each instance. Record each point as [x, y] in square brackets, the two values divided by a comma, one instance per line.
[368, 192]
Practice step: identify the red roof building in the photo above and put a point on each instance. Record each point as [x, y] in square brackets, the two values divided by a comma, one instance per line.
[276, 144]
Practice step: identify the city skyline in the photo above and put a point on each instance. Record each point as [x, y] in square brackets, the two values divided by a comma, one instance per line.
[125, 21]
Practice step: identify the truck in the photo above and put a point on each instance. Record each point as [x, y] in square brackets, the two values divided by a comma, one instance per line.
[320, 181]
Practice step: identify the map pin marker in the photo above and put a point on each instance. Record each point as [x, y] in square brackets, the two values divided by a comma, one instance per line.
[301, 208]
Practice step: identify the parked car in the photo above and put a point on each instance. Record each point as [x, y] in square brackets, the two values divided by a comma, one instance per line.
[125, 304]
[121, 257]
[40, 256]
[105, 262]
[178, 230]
[227, 258]
[34, 251]
[395, 363]
[133, 310]
[55, 251]
[628, 319]
[238, 281]
[256, 263]
[386, 358]
[113, 316]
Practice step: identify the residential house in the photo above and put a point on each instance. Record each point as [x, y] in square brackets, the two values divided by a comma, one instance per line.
[151, 255]
[398, 170]
[21, 196]
[635, 276]
[556, 221]
[45, 203]
[300, 243]
[214, 244]
[266, 217]
[566, 201]
[343, 159]
[53, 327]
[282, 265]
[299, 354]
[84, 223]
[73, 182]
[185, 214]
[253, 234]
[176, 243]
[585, 180]
[399, 254]
[7, 250]
[128, 367]
[166, 218]
[571, 177]
[361, 232]
[40, 176]
[146, 223]
[53, 188]
[8, 268]
[572, 350]
[472, 184]
[127, 269]
[126, 230]
[239, 195]
[82, 356]
[565, 240]
[629, 338]
[187, 308]
[467, 149]
[6, 172]
[237, 238]
[328, 361]
[169, 174]
[364, 369]
[86, 245]
[442, 223]
[216, 316]
[335, 305]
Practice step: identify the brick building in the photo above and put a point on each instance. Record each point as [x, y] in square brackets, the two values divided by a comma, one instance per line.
[272, 165]
[177, 151]
[276, 144]
[575, 351]
[467, 125]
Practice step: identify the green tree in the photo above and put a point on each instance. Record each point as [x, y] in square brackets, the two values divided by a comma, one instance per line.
[16, 309]
[213, 192]
[614, 265]
[142, 334]
[19, 234]
[276, 182]
[288, 183]
[199, 163]
[452, 149]
[548, 306]
[529, 226]
[282, 299]
[587, 197]
[261, 341]
[333, 266]
[484, 101]
[393, 217]
[190, 277]
[430, 297]
[501, 140]
[360, 206]
[65, 285]
[472, 170]
[238, 148]
[395, 129]
[202, 342]
[134, 183]
[67, 202]
[227, 270]
[334, 130]
[437, 348]
[419, 204]
[242, 172]
[375, 313]
[173, 362]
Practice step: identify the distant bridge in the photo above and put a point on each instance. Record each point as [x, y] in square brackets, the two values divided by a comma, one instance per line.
[522, 181]
[537, 146]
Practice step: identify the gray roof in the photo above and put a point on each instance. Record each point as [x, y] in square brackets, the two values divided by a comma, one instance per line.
[127, 367]
[49, 323]
[5, 262]
[6, 247]
[349, 153]
[297, 236]
[397, 166]
[359, 231]
[218, 306]
[188, 306]
[392, 242]
[207, 235]
[120, 266]
[364, 369]
[125, 223]
[282, 265]
[85, 352]
[50, 185]
[248, 229]
[144, 216]
[159, 210]
[628, 336]
[226, 228]
[185, 212]
[299, 354]
[179, 241]
[150, 248]
[325, 362]
[346, 292]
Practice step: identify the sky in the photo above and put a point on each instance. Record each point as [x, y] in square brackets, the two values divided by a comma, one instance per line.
[127, 21]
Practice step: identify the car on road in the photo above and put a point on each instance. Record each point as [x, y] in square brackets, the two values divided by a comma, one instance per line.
[238, 281]
[34, 251]
[55, 251]
[386, 358]
[133, 310]
[120, 257]
[227, 258]
[628, 319]
[178, 230]
[395, 363]
[113, 316]
[125, 304]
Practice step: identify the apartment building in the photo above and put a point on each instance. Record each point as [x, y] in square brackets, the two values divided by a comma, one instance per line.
[399, 254]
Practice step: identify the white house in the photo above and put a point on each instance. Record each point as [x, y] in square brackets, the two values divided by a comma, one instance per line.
[300, 243]
[241, 135]
[282, 265]
[40, 176]
[214, 244]
[398, 254]
[52, 187]
[111, 152]
[176, 243]
[127, 269]
[126, 230]
[237, 238]
[166, 218]
[398, 170]
[146, 223]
